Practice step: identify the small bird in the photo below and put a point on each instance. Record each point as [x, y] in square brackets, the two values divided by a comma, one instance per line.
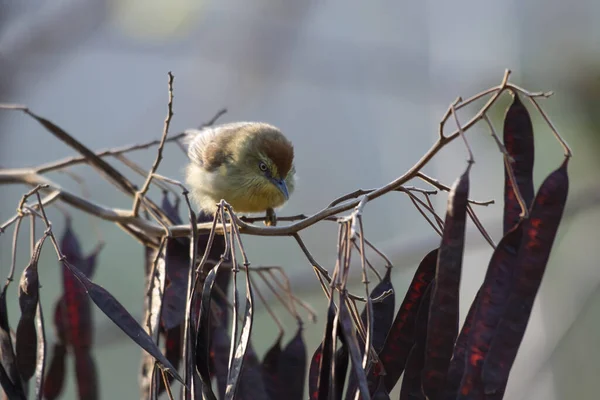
[250, 165]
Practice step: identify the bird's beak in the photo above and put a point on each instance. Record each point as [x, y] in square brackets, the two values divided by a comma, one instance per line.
[280, 183]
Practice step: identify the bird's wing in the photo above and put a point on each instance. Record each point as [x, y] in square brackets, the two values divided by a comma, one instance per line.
[206, 146]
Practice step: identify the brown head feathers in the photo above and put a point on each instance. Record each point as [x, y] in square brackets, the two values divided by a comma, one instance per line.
[271, 142]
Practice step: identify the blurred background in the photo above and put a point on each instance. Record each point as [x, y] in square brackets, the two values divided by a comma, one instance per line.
[359, 87]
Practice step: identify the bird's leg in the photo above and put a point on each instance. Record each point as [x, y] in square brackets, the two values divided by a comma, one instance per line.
[271, 218]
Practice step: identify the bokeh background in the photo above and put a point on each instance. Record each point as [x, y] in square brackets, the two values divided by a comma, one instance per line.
[359, 87]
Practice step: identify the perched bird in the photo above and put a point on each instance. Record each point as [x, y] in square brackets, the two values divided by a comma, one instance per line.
[250, 165]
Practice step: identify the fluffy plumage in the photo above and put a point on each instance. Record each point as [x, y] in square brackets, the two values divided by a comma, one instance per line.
[248, 164]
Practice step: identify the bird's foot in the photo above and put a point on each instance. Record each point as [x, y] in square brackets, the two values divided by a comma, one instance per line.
[271, 218]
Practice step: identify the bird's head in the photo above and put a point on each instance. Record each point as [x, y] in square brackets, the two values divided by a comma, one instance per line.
[249, 164]
[264, 167]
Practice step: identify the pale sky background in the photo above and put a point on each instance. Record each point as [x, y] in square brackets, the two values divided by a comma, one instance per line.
[359, 87]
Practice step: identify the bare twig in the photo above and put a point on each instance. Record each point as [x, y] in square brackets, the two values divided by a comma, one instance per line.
[480, 227]
[508, 161]
[437, 184]
[471, 160]
[140, 171]
[371, 267]
[435, 228]
[563, 143]
[287, 287]
[142, 192]
[68, 162]
[13, 262]
[167, 384]
[267, 307]
[379, 252]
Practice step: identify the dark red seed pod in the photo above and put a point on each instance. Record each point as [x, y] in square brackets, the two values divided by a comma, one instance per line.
[320, 365]
[114, 310]
[26, 345]
[78, 317]
[539, 232]
[490, 304]
[401, 336]
[251, 382]
[442, 328]
[342, 359]
[458, 362]
[172, 350]
[383, 317]
[203, 334]
[10, 379]
[292, 364]
[87, 381]
[518, 141]
[382, 311]
[381, 393]
[55, 377]
[237, 365]
[219, 353]
[270, 370]
[313, 373]
[177, 264]
[411, 381]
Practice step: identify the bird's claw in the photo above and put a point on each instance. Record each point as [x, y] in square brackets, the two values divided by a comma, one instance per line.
[270, 218]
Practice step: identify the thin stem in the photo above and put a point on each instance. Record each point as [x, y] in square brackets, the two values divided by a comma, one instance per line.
[140, 171]
[379, 252]
[425, 216]
[369, 305]
[471, 160]
[508, 160]
[151, 281]
[437, 184]
[142, 192]
[267, 307]
[324, 273]
[371, 267]
[167, 384]
[563, 143]
[480, 227]
[438, 219]
[288, 289]
[67, 162]
[13, 262]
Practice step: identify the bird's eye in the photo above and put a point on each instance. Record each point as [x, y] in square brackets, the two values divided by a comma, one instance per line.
[262, 166]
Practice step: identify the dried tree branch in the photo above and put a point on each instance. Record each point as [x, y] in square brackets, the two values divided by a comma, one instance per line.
[148, 231]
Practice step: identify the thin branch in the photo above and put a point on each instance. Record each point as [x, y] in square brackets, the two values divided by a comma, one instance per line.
[85, 192]
[437, 184]
[508, 160]
[288, 289]
[438, 219]
[563, 143]
[140, 171]
[435, 228]
[166, 383]
[68, 162]
[471, 160]
[267, 307]
[379, 252]
[480, 226]
[13, 262]
[371, 267]
[142, 192]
